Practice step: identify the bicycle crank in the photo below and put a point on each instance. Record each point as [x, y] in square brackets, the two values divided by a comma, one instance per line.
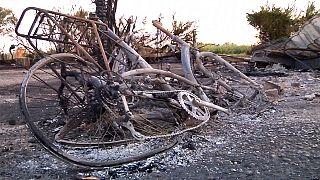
[196, 107]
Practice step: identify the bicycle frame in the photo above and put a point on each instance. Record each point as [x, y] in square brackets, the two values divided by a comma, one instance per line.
[99, 29]
[82, 93]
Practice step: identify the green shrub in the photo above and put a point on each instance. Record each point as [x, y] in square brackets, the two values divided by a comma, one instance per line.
[226, 49]
[274, 22]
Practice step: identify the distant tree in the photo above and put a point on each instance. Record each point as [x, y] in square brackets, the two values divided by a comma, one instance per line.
[81, 13]
[7, 21]
[309, 13]
[274, 22]
[7, 24]
[185, 30]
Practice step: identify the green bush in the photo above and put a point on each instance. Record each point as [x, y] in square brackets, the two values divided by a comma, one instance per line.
[226, 49]
[274, 22]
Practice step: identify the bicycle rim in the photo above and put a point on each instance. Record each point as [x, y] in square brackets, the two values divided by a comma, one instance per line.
[61, 110]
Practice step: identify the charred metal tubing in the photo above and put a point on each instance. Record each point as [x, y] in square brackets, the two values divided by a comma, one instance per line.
[105, 59]
[39, 14]
[209, 74]
[133, 55]
[185, 58]
[125, 103]
[168, 33]
[222, 61]
[79, 47]
[199, 102]
[54, 13]
[186, 62]
[158, 26]
[129, 51]
[185, 52]
[180, 78]
[158, 71]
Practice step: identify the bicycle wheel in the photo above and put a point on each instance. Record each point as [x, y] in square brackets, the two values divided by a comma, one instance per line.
[69, 107]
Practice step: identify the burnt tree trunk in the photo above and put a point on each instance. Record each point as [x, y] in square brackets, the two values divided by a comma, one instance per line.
[106, 12]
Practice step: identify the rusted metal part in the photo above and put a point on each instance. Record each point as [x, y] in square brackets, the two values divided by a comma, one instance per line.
[105, 59]
[272, 88]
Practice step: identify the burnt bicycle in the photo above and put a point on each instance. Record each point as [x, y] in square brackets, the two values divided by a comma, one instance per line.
[96, 109]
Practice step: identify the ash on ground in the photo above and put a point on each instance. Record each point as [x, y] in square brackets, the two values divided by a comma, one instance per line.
[281, 140]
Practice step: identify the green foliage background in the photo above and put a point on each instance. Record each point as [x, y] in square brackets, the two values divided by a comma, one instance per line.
[226, 48]
[274, 22]
[7, 21]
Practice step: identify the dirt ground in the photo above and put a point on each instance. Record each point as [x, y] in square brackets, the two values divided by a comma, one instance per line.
[282, 141]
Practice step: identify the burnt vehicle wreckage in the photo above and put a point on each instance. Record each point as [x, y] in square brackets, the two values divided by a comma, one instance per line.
[97, 109]
[300, 51]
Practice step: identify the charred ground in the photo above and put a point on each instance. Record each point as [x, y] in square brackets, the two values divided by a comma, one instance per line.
[280, 141]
